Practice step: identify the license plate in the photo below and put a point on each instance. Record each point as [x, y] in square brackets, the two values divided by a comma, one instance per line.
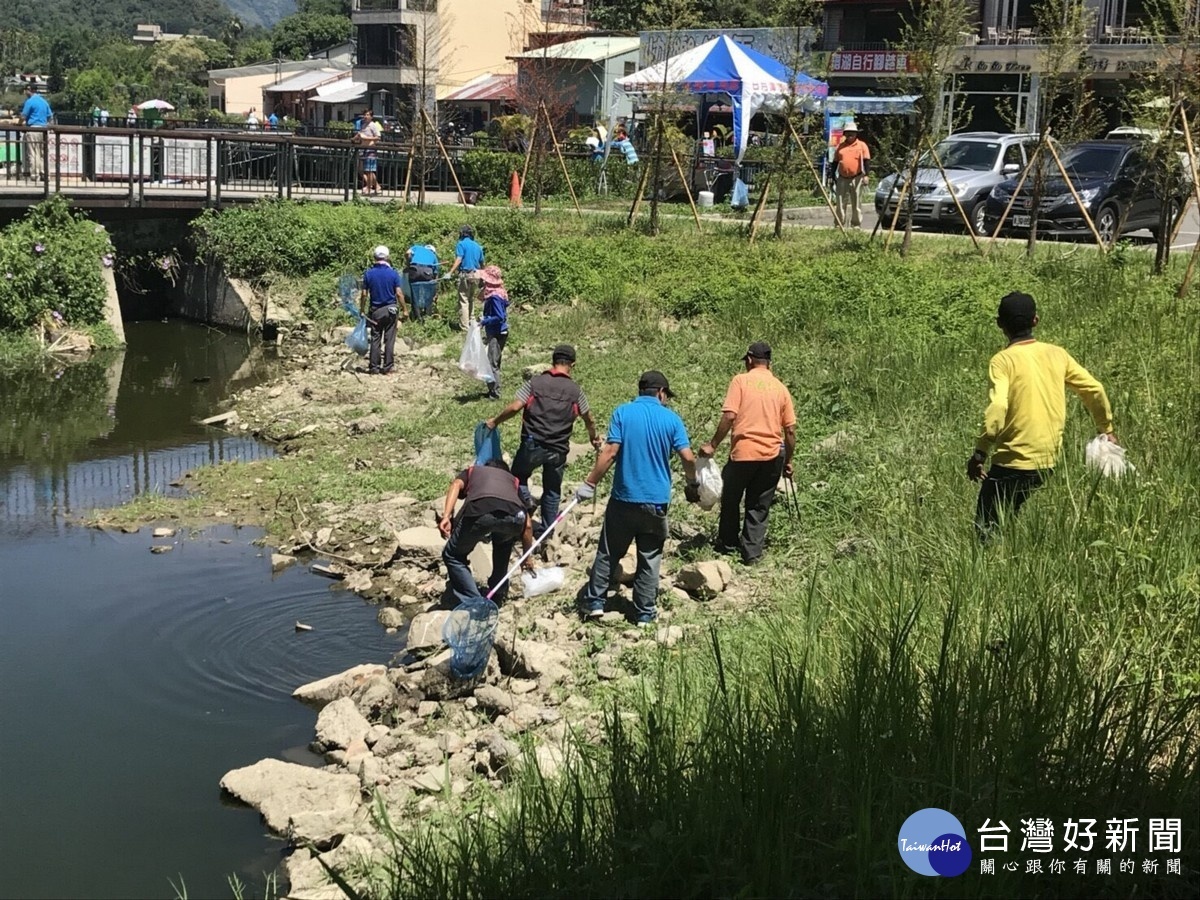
[1020, 221]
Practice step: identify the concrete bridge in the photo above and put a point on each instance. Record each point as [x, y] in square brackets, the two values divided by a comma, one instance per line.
[163, 168]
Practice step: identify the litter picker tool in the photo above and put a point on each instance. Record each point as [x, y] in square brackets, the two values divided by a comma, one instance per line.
[562, 514]
[791, 498]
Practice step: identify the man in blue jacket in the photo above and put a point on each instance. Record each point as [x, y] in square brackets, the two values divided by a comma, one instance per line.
[382, 288]
[642, 436]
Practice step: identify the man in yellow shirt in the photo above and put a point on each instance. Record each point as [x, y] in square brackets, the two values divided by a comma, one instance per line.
[1026, 412]
[758, 411]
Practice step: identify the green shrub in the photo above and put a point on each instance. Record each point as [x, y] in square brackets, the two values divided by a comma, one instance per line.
[50, 261]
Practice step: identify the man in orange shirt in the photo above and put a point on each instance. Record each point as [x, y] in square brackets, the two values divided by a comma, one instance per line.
[852, 159]
[758, 411]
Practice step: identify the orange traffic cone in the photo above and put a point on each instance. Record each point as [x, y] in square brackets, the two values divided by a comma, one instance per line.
[514, 192]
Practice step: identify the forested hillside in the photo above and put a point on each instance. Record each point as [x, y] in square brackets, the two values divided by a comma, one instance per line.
[121, 16]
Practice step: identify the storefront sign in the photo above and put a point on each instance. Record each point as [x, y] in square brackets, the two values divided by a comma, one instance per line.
[871, 62]
[967, 65]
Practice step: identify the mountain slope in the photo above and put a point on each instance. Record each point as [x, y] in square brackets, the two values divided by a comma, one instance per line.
[261, 12]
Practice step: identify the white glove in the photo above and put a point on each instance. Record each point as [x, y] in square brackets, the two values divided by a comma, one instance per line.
[585, 491]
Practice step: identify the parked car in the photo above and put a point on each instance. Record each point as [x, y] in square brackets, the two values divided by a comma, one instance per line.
[975, 162]
[1113, 180]
[1153, 135]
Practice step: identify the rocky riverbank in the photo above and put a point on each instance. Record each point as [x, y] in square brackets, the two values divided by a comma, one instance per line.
[406, 734]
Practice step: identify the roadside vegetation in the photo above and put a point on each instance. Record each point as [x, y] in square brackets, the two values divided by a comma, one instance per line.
[891, 664]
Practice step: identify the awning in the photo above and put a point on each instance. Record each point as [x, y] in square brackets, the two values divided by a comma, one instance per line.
[896, 104]
[485, 88]
[306, 81]
[590, 49]
[349, 93]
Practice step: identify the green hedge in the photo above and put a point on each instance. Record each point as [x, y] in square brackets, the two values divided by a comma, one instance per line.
[50, 262]
[492, 171]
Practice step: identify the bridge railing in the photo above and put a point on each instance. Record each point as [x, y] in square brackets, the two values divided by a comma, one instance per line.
[140, 166]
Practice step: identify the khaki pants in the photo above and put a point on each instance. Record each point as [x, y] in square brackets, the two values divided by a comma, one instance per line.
[849, 200]
[35, 143]
[468, 290]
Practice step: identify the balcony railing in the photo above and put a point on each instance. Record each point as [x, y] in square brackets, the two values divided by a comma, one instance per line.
[387, 5]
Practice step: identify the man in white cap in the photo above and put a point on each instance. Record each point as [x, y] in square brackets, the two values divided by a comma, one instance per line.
[381, 288]
[851, 160]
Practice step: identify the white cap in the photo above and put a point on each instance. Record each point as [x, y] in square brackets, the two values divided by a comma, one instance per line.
[382, 252]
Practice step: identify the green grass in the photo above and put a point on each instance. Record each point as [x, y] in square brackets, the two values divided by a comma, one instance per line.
[1052, 674]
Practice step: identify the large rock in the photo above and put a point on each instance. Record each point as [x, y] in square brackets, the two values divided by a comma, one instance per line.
[704, 580]
[480, 560]
[375, 699]
[340, 724]
[420, 540]
[425, 632]
[545, 662]
[494, 699]
[281, 790]
[390, 617]
[334, 687]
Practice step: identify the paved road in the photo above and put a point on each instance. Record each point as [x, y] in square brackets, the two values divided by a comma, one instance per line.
[1185, 240]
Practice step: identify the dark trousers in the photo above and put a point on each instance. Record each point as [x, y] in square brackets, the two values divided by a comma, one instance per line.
[756, 483]
[1002, 494]
[467, 533]
[625, 524]
[381, 322]
[495, 352]
[530, 457]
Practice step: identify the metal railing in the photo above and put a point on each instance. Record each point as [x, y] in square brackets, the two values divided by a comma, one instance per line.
[208, 167]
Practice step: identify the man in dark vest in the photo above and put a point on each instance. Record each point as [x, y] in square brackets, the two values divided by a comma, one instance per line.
[491, 509]
[549, 403]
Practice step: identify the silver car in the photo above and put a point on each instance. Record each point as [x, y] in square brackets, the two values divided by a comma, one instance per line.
[975, 162]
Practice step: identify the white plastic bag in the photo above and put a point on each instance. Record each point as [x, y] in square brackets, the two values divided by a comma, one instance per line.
[1107, 458]
[710, 482]
[548, 581]
[474, 359]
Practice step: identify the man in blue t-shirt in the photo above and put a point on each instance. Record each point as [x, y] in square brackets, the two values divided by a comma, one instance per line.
[35, 113]
[381, 286]
[468, 261]
[421, 270]
[642, 435]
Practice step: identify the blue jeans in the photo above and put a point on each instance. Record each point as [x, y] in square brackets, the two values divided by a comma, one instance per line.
[624, 524]
[467, 533]
[530, 456]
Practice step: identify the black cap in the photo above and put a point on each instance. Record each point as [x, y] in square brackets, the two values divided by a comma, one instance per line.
[759, 350]
[655, 380]
[563, 353]
[1017, 311]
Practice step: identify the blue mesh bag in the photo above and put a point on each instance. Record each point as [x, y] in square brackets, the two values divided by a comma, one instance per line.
[470, 631]
[487, 444]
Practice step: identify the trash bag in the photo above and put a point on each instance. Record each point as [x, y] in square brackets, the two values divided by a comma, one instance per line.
[739, 197]
[357, 340]
[473, 360]
[347, 288]
[470, 631]
[710, 482]
[1107, 458]
[544, 581]
[487, 444]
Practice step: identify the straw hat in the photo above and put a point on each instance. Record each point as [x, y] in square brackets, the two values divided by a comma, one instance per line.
[492, 277]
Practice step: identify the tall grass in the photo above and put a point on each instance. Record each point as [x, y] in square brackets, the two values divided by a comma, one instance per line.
[1055, 674]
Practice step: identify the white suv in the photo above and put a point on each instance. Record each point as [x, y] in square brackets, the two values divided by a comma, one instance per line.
[975, 162]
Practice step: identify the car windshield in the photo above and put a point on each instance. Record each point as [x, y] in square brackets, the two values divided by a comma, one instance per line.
[975, 156]
[1093, 161]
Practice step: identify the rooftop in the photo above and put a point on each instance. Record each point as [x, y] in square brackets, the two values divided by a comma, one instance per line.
[592, 49]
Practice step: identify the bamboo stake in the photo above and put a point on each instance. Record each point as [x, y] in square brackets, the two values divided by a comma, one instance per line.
[637, 200]
[886, 203]
[1074, 193]
[528, 154]
[1191, 266]
[1013, 199]
[687, 188]
[817, 177]
[462, 198]
[758, 207]
[887, 241]
[407, 179]
[562, 162]
[953, 196]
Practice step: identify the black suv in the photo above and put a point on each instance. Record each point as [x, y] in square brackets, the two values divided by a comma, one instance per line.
[1113, 180]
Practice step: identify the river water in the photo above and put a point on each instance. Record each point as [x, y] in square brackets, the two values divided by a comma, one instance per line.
[130, 682]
